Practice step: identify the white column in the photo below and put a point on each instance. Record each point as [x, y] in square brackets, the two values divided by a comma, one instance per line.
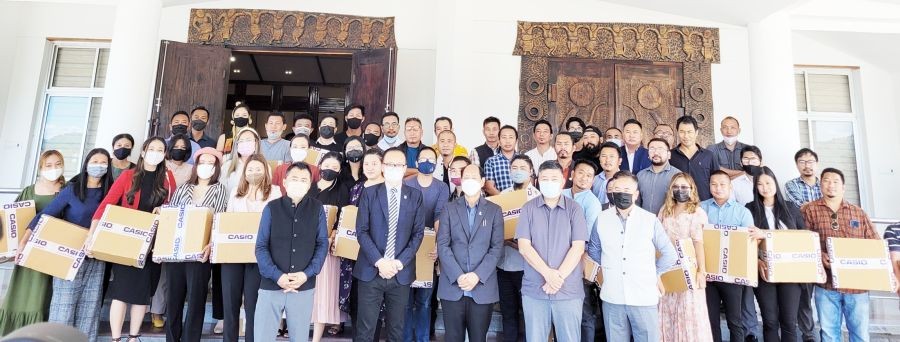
[775, 125]
[131, 71]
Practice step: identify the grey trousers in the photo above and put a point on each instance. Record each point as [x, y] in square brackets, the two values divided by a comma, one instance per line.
[564, 315]
[77, 303]
[297, 306]
[623, 322]
[158, 302]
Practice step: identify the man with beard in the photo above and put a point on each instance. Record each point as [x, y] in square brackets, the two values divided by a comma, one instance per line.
[543, 135]
[353, 118]
[610, 160]
[653, 182]
[390, 126]
[590, 144]
[564, 145]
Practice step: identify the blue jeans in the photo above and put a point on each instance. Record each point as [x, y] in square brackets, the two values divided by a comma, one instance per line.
[418, 315]
[748, 312]
[834, 306]
[565, 315]
[622, 322]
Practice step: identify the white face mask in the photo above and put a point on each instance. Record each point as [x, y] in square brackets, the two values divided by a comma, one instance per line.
[296, 189]
[618, 142]
[471, 187]
[550, 189]
[51, 174]
[205, 171]
[273, 135]
[394, 174]
[298, 154]
[730, 140]
[153, 158]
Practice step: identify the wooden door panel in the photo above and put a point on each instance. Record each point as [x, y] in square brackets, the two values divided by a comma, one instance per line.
[650, 93]
[582, 88]
[372, 81]
[190, 75]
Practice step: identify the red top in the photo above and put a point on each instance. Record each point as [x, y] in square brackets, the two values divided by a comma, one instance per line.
[281, 171]
[117, 193]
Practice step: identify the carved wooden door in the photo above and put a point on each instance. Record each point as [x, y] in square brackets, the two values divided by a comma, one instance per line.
[190, 75]
[650, 93]
[372, 81]
[582, 88]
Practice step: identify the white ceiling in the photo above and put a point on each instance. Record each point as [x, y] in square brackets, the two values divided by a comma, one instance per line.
[733, 12]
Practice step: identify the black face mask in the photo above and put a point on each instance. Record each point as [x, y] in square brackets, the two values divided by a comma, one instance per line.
[621, 200]
[576, 136]
[122, 152]
[354, 123]
[328, 174]
[326, 132]
[752, 170]
[354, 156]
[371, 139]
[681, 196]
[198, 125]
[179, 129]
[241, 122]
[178, 154]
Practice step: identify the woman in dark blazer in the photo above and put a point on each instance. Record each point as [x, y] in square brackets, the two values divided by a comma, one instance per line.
[779, 303]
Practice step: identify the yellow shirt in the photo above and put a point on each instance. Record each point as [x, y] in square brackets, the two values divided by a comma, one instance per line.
[458, 150]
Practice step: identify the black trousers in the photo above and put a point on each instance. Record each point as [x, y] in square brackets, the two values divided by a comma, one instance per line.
[372, 294]
[239, 281]
[218, 311]
[592, 314]
[186, 281]
[779, 305]
[510, 287]
[465, 315]
[805, 317]
[732, 296]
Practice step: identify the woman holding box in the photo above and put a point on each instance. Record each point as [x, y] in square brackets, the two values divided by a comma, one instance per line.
[331, 191]
[28, 297]
[299, 150]
[190, 279]
[77, 302]
[778, 303]
[683, 315]
[145, 187]
[254, 191]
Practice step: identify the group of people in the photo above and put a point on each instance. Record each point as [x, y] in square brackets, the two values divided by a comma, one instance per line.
[611, 194]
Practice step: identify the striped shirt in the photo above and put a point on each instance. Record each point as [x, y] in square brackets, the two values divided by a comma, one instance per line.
[216, 197]
[849, 221]
[892, 236]
[801, 193]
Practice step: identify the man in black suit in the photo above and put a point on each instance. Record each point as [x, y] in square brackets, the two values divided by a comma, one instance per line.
[389, 227]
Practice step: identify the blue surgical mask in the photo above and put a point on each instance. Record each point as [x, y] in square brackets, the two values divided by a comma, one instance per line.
[390, 140]
[519, 176]
[97, 170]
[426, 167]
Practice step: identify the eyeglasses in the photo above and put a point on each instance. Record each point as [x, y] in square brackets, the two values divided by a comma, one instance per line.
[834, 223]
[806, 162]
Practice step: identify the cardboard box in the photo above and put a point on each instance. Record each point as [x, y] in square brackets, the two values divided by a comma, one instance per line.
[424, 264]
[860, 264]
[683, 275]
[792, 256]
[331, 215]
[56, 247]
[511, 203]
[14, 218]
[731, 255]
[182, 234]
[234, 238]
[313, 155]
[591, 270]
[345, 243]
[123, 236]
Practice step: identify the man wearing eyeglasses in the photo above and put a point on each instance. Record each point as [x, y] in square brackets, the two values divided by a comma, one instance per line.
[653, 182]
[802, 190]
[832, 216]
[390, 125]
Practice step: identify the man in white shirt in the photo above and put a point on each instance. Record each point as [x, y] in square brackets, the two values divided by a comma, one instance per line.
[625, 244]
[390, 126]
[543, 135]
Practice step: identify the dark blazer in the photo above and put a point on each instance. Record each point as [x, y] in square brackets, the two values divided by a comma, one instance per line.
[641, 159]
[460, 252]
[372, 231]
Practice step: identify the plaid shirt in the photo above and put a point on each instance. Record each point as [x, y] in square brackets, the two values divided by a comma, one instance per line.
[496, 169]
[801, 193]
[851, 222]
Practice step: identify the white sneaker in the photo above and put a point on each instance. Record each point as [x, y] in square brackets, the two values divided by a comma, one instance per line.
[219, 327]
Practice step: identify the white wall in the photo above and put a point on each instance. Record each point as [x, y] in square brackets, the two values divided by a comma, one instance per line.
[880, 110]
[26, 27]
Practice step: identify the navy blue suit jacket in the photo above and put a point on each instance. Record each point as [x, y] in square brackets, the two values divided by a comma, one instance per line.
[372, 232]
[641, 160]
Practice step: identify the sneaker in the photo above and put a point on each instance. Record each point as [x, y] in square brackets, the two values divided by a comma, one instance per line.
[220, 327]
[158, 321]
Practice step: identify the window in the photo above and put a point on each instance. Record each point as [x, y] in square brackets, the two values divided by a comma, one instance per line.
[829, 124]
[72, 98]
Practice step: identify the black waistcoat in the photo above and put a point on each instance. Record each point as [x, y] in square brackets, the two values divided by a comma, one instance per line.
[293, 237]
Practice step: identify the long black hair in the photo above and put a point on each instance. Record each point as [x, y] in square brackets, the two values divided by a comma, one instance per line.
[160, 192]
[79, 183]
[781, 211]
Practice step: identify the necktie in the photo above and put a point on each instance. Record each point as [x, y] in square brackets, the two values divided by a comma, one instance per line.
[393, 215]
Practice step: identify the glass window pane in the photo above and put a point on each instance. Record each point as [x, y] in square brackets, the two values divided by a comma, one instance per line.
[74, 67]
[829, 93]
[800, 87]
[64, 129]
[835, 143]
[102, 62]
[93, 120]
[804, 134]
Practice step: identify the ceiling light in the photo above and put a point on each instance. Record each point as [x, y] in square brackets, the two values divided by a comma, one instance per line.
[237, 71]
[232, 58]
[288, 72]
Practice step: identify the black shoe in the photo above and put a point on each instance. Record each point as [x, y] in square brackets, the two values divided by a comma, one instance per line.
[751, 338]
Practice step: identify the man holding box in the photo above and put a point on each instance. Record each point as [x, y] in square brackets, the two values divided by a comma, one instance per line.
[722, 210]
[626, 240]
[470, 243]
[832, 216]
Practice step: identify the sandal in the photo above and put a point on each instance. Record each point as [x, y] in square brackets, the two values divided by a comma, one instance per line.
[116, 339]
[335, 330]
[136, 338]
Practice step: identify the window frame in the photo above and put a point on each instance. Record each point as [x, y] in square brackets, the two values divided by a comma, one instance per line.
[854, 117]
